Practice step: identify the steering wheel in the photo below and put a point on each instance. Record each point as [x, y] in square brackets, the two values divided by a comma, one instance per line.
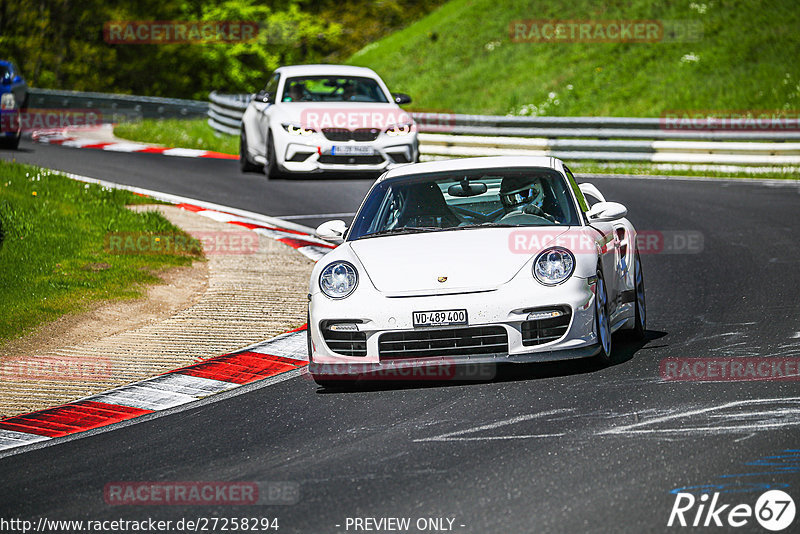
[533, 209]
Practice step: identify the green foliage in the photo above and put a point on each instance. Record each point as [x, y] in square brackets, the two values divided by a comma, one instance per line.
[461, 58]
[60, 43]
[53, 258]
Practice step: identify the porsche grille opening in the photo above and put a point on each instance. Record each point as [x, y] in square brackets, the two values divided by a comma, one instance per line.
[451, 342]
[542, 331]
[345, 343]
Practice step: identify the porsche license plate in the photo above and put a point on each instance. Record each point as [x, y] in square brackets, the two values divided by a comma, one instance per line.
[439, 318]
[352, 150]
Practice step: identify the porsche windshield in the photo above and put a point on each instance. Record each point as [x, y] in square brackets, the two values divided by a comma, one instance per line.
[332, 89]
[466, 200]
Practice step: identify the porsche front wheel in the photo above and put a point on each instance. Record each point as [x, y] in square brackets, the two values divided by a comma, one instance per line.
[601, 318]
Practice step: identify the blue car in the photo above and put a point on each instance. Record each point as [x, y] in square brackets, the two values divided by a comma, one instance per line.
[13, 99]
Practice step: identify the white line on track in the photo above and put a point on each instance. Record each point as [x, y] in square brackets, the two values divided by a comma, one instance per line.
[636, 428]
[456, 436]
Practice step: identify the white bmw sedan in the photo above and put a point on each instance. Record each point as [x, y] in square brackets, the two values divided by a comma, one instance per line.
[469, 261]
[335, 118]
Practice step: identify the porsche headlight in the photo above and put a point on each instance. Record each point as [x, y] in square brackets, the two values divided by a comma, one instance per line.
[553, 266]
[399, 129]
[338, 280]
[295, 129]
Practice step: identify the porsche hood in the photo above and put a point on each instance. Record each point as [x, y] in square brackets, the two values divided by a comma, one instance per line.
[452, 261]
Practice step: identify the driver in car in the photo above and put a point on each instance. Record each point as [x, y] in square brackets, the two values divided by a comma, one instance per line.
[297, 92]
[522, 196]
[349, 92]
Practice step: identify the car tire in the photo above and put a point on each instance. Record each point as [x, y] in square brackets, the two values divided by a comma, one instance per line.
[271, 166]
[640, 304]
[602, 321]
[10, 142]
[244, 159]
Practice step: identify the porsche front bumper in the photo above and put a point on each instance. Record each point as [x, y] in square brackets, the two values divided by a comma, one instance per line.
[502, 326]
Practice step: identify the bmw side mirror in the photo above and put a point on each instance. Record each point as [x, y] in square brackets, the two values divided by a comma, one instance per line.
[606, 211]
[263, 96]
[332, 231]
[401, 98]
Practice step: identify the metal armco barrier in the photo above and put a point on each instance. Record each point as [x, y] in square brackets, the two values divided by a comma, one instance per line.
[225, 112]
[115, 107]
[571, 138]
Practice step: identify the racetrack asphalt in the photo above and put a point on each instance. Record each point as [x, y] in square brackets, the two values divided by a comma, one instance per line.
[560, 447]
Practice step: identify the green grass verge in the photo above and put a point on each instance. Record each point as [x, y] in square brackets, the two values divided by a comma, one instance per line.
[178, 133]
[677, 169]
[53, 255]
[461, 59]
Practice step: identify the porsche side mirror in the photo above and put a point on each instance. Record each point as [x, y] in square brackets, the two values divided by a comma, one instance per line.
[607, 211]
[590, 190]
[331, 231]
[401, 98]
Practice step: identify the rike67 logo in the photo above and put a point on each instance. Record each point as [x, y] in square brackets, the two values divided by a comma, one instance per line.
[774, 510]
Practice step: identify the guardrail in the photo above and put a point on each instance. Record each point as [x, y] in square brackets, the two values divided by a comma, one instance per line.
[117, 107]
[225, 112]
[570, 138]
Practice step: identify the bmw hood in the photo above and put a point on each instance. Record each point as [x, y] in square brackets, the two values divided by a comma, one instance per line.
[451, 261]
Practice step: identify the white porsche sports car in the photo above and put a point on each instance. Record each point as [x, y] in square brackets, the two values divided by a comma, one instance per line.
[316, 118]
[497, 259]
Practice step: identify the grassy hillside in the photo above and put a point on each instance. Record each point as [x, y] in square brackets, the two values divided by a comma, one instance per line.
[461, 58]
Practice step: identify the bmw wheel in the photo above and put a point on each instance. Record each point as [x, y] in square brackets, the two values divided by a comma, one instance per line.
[244, 158]
[271, 166]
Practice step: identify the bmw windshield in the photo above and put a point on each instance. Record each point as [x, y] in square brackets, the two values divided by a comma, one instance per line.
[332, 89]
[466, 200]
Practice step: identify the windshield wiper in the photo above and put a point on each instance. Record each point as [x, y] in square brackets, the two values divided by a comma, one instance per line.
[487, 225]
[404, 230]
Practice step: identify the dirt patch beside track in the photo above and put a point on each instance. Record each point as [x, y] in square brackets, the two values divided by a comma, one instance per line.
[216, 306]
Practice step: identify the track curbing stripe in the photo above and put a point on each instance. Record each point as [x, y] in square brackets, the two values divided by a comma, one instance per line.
[265, 360]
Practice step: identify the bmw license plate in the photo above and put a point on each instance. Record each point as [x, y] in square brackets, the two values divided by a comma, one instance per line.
[352, 150]
[439, 318]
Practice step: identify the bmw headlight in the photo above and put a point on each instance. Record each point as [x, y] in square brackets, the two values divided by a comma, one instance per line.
[399, 129]
[553, 266]
[338, 280]
[295, 129]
